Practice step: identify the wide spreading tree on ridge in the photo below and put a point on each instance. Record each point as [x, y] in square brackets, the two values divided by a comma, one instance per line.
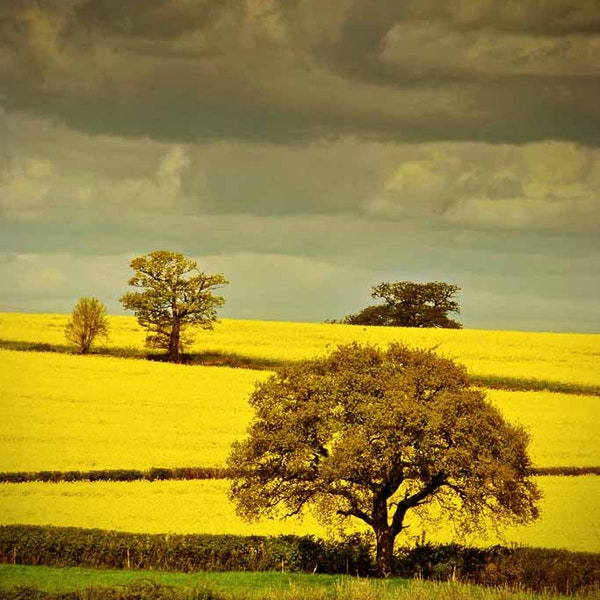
[408, 304]
[373, 435]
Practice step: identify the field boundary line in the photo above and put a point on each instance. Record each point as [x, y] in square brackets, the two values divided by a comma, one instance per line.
[203, 473]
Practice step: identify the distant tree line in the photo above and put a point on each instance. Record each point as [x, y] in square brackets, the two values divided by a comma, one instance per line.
[173, 296]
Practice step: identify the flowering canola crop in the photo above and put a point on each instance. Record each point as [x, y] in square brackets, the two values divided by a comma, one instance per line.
[202, 507]
[64, 412]
[92, 412]
[68, 412]
[560, 357]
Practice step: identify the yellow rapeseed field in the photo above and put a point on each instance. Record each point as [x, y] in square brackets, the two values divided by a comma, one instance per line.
[564, 428]
[62, 412]
[557, 357]
[569, 511]
[68, 412]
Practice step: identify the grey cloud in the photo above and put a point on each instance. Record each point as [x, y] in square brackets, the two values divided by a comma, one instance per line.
[551, 16]
[548, 186]
[295, 72]
[51, 173]
[57, 280]
[153, 19]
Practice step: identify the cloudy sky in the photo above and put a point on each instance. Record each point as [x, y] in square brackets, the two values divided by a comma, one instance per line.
[307, 150]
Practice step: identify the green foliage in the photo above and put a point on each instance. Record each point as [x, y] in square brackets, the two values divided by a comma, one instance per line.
[408, 304]
[88, 322]
[372, 434]
[535, 569]
[61, 547]
[175, 296]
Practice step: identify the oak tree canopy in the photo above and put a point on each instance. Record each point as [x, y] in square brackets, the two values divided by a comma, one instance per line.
[408, 304]
[374, 434]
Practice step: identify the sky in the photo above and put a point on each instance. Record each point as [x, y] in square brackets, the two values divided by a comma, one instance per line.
[306, 149]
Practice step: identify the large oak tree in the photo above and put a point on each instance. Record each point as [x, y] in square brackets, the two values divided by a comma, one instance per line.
[374, 434]
[174, 296]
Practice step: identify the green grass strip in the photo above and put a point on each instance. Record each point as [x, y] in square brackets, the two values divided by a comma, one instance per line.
[46, 583]
[68, 579]
[515, 384]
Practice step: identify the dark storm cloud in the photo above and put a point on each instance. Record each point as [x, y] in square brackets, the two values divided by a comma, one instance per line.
[297, 71]
[150, 19]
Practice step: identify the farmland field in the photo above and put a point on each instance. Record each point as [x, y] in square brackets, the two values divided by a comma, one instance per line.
[564, 428]
[558, 357]
[84, 413]
[73, 412]
[67, 412]
[569, 511]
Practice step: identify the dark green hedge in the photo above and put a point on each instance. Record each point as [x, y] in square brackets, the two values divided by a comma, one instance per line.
[154, 474]
[527, 568]
[565, 471]
[536, 569]
[164, 473]
[66, 546]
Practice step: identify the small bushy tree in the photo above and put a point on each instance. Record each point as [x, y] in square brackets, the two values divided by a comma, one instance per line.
[88, 322]
[372, 435]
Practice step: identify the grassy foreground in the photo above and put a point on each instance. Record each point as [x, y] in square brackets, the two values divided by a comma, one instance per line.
[156, 585]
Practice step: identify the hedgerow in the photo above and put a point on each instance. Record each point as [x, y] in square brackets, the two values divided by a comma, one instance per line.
[199, 473]
[153, 474]
[69, 546]
[539, 570]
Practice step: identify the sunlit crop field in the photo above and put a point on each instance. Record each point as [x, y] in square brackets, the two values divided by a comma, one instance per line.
[562, 357]
[63, 412]
[68, 412]
[564, 428]
[569, 511]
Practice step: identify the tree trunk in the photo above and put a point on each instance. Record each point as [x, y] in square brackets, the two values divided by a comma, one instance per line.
[385, 552]
[174, 342]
